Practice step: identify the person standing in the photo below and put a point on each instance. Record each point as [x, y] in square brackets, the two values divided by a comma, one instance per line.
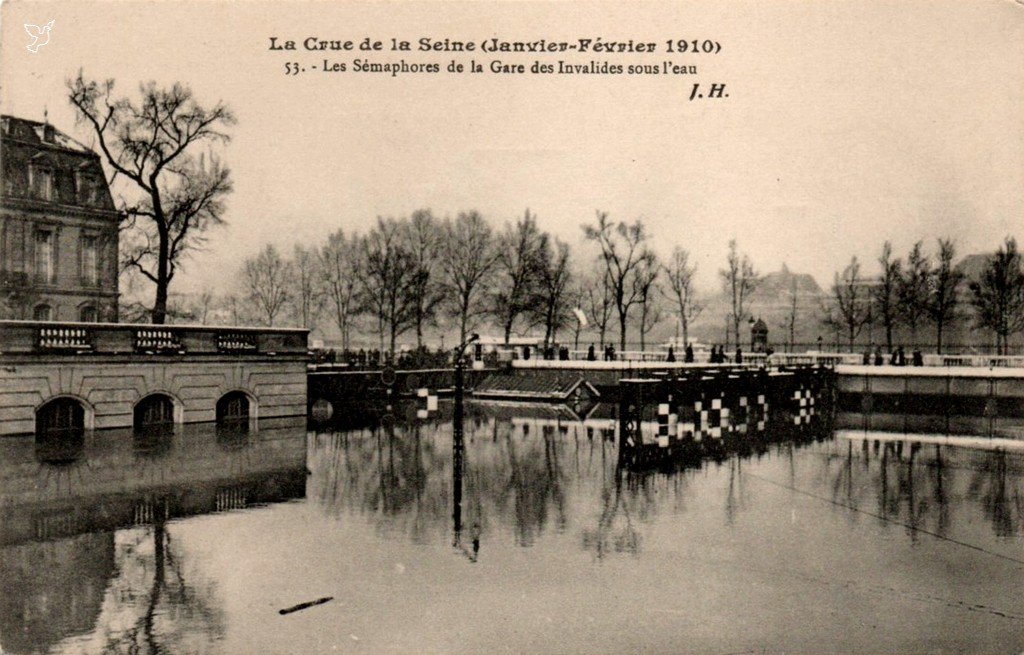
[671, 355]
[688, 356]
[590, 353]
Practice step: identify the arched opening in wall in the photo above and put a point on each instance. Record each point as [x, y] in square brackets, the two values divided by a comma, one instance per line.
[42, 312]
[234, 412]
[60, 430]
[87, 314]
[154, 415]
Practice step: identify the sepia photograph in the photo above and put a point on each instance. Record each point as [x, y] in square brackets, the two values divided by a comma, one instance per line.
[539, 327]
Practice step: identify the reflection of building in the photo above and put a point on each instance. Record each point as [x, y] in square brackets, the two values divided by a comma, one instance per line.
[58, 228]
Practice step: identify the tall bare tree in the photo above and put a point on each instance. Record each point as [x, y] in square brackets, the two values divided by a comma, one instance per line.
[944, 290]
[648, 292]
[308, 296]
[851, 301]
[423, 236]
[175, 196]
[388, 279]
[679, 274]
[555, 297]
[886, 292]
[518, 270]
[913, 289]
[623, 248]
[268, 281]
[599, 300]
[467, 265]
[998, 297]
[739, 280]
[340, 270]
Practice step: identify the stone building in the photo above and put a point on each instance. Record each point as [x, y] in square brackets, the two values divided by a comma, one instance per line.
[58, 227]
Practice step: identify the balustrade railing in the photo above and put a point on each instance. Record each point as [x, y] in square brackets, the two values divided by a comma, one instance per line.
[157, 340]
[64, 338]
[89, 339]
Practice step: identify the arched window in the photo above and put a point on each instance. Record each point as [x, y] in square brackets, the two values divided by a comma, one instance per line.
[233, 411]
[42, 313]
[60, 418]
[87, 314]
[155, 413]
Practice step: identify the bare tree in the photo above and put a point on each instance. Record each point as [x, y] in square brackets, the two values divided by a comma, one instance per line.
[851, 301]
[152, 143]
[467, 265]
[340, 270]
[202, 305]
[599, 300]
[519, 260]
[913, 289]
[423, 237]
[268, 280]
[739, 280]
[679, 274]
[555, 293]
[308, 299]
[998, 297]
[388, 277]
[944, 295]
[623, 248]
[886, 292]
[648, 291]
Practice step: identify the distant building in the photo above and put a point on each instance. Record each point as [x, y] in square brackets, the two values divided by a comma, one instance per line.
[58, 227]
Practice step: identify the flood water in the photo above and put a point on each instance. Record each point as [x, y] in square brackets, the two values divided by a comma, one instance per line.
[195, 544]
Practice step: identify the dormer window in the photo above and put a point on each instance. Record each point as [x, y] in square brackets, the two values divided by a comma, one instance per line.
[40, 180]
[87, 187]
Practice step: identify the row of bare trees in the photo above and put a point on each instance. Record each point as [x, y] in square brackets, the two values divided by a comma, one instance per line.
[922, 291]
[407, 274]
[411, 274]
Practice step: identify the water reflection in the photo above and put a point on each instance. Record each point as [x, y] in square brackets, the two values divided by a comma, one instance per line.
[88, 560]
[124, 548]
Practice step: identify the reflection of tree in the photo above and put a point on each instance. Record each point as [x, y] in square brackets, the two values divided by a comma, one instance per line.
[1003, 504]
[173, 616]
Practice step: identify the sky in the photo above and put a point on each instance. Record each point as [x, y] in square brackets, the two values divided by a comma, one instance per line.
[847, 123]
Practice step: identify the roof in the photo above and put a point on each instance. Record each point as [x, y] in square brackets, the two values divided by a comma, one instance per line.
[539, 383]
[77, 178]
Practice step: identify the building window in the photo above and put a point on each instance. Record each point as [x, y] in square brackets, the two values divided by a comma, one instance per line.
[42, 313]
[87, 187]
[87, 314]
[41, 180]
[90, 260]
[44, 256]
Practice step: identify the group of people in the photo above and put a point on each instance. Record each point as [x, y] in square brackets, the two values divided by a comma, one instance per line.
[896, 358]
[609, 353]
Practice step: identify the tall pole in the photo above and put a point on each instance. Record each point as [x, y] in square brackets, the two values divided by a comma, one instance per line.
[458, 444]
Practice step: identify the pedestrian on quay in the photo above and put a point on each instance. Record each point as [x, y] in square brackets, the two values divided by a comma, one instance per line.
[611, 353]
[894, 358]
[901, 357]
[918, 357]
[878, 356]
[590, 353]
[688, 355]
[739, 355]
[671, 355]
